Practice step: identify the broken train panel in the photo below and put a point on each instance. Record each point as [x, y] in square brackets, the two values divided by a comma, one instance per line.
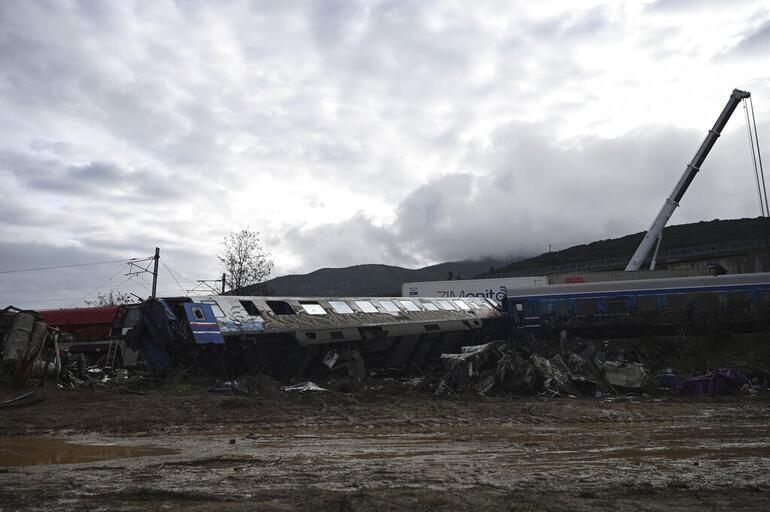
[290, 336]
[28, 348]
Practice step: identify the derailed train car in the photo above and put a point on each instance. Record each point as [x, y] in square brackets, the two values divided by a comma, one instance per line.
[289, 336]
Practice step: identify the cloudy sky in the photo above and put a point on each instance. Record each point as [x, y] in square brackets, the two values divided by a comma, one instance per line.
[345, 132]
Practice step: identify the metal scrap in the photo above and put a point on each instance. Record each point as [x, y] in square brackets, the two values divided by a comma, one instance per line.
[304, 387]
[28, 348]
[504, 367]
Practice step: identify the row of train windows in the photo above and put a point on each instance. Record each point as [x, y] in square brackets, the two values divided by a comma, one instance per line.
[670, 302]
[365, 306]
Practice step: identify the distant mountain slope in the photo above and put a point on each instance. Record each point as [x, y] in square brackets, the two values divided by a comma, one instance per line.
[386, 280]
[674, 237]
[369, 280]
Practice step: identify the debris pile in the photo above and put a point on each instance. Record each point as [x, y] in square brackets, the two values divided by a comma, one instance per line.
[721, 381]
[503, 367]
[75, 374]
[29, 351]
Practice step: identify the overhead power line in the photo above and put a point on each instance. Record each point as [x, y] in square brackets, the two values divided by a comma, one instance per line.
[14, 271]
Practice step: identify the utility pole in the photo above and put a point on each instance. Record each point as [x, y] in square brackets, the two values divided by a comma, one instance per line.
[224, 280]
[156, 259]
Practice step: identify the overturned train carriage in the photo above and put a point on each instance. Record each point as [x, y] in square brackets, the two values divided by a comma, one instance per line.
[289, 337]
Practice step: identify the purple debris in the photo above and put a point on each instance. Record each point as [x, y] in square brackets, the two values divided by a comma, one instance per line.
[722, 381]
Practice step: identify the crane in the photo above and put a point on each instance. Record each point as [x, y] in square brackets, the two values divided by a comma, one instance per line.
[655, 233]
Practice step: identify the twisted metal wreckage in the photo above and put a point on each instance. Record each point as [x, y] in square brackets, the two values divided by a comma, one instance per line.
[29, 348]
[284, 337]
[289, 337]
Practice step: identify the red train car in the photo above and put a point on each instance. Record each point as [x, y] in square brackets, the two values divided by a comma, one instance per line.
[90, 331]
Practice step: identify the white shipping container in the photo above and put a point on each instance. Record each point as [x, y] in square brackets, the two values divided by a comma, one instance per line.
[495, 288]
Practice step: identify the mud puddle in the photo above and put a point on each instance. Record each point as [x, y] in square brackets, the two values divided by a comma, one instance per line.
[35, 451]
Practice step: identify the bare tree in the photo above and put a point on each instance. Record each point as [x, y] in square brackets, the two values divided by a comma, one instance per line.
[244, 261]
[113, 298]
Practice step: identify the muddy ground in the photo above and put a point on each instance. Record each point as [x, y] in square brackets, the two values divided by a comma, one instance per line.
[376, 450]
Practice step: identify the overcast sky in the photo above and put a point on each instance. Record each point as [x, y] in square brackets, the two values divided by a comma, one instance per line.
[398, 132]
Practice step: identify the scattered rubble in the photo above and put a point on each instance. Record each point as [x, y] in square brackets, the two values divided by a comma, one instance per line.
[504, 367]
[721, 381]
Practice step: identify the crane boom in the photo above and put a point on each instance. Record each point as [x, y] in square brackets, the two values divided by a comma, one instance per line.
[654, 234]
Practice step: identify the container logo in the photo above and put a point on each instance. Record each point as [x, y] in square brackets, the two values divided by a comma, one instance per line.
[489, 293]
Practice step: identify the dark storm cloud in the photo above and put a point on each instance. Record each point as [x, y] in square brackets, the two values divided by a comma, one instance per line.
[538, 192]
[126, 125]
[95, 179]
[353, 241]
[755, 43]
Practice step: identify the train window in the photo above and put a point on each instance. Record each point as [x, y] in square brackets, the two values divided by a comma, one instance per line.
[586, 306]
[389, 306]
[218, 313]
[312, 308]
[197, 312]
[617, 305]
[444, 304]
[738, 299]
[341, 307]
[429, 306]
[409, 305]
[676, 302]
[366, 306]
[250, 307]
[531, 308]
[280, 307]
[646, 303]
[563, 307]
[707, 301]
[462, 305]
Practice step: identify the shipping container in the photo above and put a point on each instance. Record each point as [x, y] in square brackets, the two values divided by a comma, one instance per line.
[622, 275]
[495, 288]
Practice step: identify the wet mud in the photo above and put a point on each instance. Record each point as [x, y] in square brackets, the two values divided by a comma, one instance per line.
[34, 451]
[408, 451]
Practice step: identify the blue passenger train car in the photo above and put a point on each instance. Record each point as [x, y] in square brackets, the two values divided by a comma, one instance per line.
[666, 304]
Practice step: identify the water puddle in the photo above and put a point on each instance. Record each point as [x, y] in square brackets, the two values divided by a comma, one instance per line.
[33, 451]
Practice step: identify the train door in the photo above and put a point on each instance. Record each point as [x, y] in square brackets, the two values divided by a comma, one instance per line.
[526, 313]
[203, 324]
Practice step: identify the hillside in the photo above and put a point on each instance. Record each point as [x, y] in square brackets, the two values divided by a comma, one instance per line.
[386, 280]
[369, 280]
[674, 237]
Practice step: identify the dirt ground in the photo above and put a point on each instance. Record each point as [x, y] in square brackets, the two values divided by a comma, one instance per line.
[386, 451]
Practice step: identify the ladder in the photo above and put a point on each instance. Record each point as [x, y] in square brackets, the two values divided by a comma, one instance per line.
[112, 353]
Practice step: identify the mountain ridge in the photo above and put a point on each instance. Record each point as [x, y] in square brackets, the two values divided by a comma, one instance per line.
[386, 280]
